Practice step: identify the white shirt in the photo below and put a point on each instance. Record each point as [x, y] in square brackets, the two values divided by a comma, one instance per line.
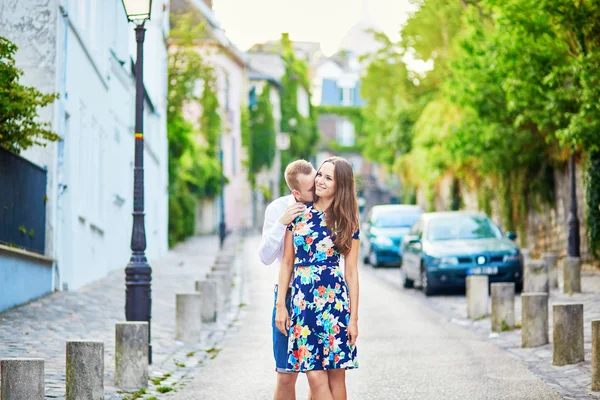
[271, 249]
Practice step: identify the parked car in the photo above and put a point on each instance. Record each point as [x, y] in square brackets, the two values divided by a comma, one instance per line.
[383, 232]
[443, 248]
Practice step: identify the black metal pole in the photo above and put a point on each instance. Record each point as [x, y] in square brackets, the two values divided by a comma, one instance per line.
[573, 220]
[138, 274]
[222, 226]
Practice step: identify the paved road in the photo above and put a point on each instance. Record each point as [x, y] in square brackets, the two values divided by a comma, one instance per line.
[406, 351]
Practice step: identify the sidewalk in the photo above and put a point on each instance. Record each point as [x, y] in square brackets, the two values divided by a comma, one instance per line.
[40, 329]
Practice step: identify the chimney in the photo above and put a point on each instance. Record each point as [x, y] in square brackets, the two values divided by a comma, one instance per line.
[208, 3]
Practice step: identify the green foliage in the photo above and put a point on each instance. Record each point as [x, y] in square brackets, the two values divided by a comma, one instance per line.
[593, 202]
[303, 131]
[352, 114]
[194, 169]
[20, 127]
[262, 142]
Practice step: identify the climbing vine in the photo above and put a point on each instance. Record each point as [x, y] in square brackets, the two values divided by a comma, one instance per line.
[593, 202]
[352, 114]
[303, 130]
[262, 141]
[194, 169]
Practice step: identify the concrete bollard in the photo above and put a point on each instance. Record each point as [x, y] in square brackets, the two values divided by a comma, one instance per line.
[477, 296]
[596, 355]
[572, 275]
[22, 379]
[188, 323]
[503, 306]
[222, 267]
[225, 281]
[211, 301]
[551, 260]
[535, 277]
[534, 319]
[526, 255]
[85, 370]
[131, 355]
[567, 335]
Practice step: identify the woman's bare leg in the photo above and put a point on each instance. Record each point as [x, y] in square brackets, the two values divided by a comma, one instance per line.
[319, 385]
[337, 383]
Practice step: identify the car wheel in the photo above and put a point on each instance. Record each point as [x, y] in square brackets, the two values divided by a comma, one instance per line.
[373, 259]
[425, 282]
[406, 283]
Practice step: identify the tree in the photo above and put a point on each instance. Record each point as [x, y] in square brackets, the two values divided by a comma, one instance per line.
[20, 127]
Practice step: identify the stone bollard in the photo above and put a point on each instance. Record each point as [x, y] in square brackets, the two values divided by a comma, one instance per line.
[22, 379]
[535, 277]
[596, 355]
[551, 260]
[503, 306]
[131, 355]
[222, 267]
[225, 281]
[211, 301]
[572, 275]
[188, 323]
[477, 296]
[534, 319]
[525, 255]
[567, 335]
[85, 370]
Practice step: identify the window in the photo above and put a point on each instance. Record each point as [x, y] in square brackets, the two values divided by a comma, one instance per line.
[345, 133]
[347, 96]
[233, 156]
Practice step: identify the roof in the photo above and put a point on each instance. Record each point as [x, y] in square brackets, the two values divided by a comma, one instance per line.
[217, 32]
[254, 75]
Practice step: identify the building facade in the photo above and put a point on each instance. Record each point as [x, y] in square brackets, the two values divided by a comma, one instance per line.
[85, 51]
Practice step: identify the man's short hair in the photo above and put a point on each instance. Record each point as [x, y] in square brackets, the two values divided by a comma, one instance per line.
[294, 169]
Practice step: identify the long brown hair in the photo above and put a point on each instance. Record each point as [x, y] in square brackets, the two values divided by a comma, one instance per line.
[342, 216]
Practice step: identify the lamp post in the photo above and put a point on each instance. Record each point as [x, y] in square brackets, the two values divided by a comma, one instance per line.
[222, 226]
[573, 221]
[138, 274]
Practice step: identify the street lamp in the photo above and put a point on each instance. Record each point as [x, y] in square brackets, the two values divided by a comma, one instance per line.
[222, 227]
[138, 274]
[573, 221]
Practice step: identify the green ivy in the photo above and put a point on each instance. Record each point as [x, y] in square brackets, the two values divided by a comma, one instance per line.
[355, 116]
[303, 131]
[593, 202]
[263, 142]
[194, 168]
[20, 127]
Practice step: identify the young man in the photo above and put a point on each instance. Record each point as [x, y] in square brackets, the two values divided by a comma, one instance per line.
[300, 178]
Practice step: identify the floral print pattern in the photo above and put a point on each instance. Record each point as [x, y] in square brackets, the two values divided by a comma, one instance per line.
[320, 311]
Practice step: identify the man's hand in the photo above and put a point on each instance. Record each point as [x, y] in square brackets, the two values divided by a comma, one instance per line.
[282, 319]
[291, 213]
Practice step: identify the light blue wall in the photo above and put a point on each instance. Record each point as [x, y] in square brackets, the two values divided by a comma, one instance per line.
[22, 278]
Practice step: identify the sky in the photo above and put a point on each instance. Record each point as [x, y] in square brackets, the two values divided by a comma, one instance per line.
[247, 22]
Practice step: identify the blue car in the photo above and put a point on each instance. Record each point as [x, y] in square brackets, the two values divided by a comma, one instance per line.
[383, 232]
[443, 248]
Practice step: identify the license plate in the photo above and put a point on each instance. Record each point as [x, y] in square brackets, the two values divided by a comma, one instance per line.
[482, 271]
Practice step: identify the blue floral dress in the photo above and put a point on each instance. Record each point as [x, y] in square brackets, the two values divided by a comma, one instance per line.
[320, 309]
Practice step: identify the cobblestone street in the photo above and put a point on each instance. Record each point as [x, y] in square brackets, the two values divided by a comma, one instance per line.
[573, 381]
[41, 328]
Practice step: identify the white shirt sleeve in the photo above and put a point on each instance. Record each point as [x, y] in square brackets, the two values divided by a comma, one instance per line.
[273, 235]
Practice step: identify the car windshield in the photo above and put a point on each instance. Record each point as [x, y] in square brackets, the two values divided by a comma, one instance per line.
[462, 227]
[396, 219]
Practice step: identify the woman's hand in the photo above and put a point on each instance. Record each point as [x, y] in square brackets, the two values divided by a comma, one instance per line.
[282, 319]
[352, 332]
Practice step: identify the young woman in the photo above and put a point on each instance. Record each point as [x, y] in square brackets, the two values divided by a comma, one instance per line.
[323, 325]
